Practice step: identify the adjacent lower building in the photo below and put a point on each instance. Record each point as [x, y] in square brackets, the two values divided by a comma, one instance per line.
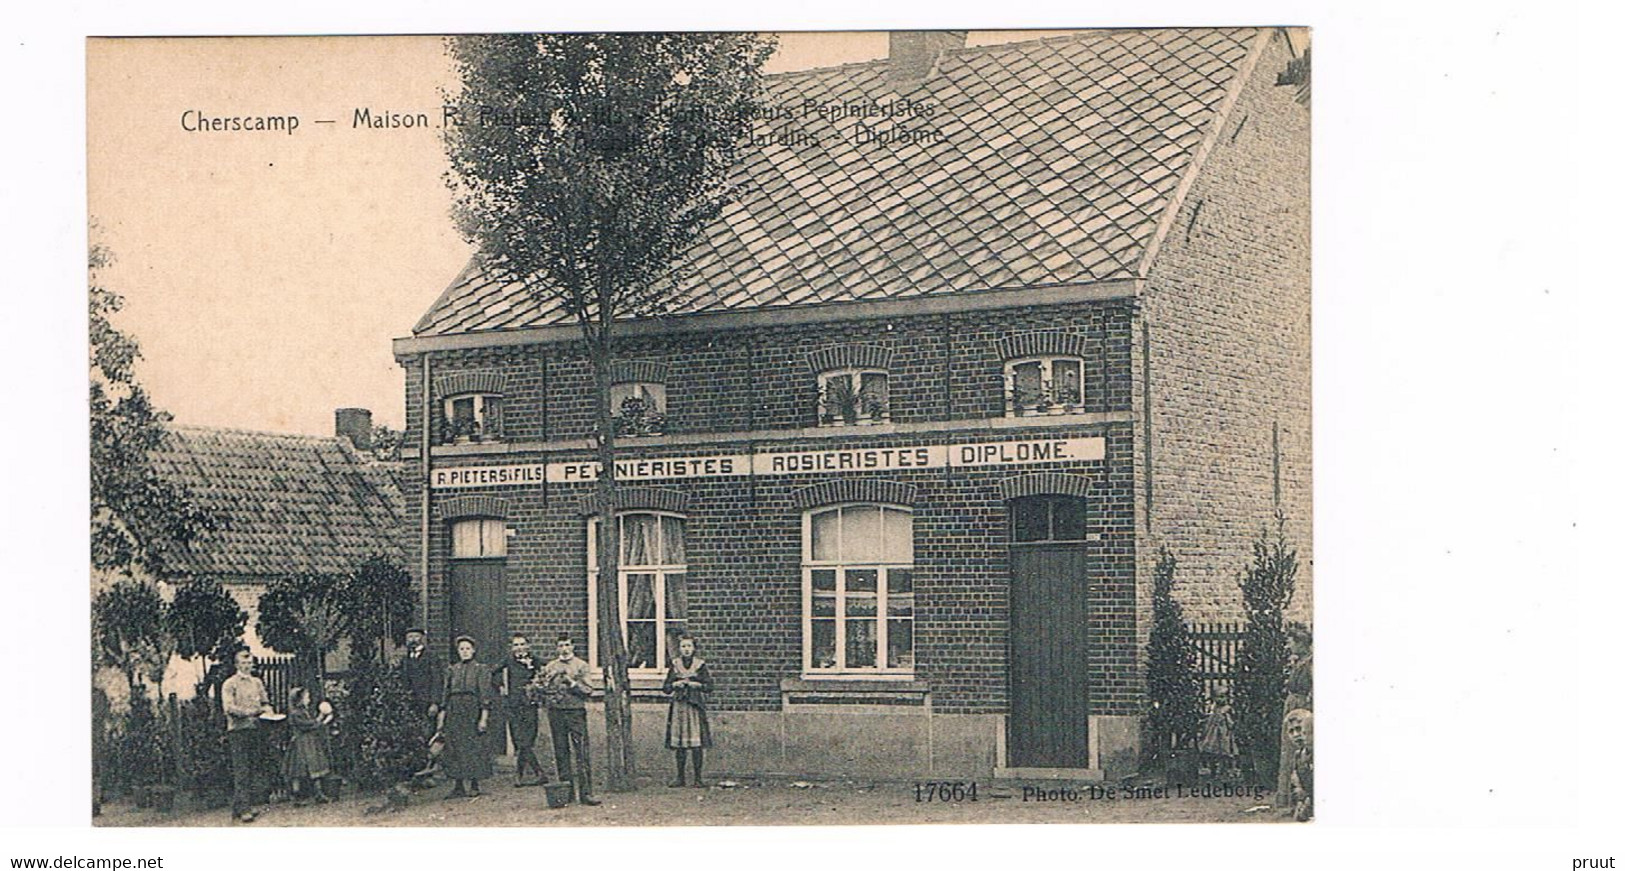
[904, 451]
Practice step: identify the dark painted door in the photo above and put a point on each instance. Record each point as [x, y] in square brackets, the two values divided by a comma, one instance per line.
[479, 606]
[479, 609]
[1049, 687]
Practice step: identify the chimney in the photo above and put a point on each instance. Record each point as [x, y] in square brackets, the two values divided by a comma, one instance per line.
[913, 53]
[354, 424]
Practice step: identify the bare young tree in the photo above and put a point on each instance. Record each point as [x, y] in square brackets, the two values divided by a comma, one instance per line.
[585, 165]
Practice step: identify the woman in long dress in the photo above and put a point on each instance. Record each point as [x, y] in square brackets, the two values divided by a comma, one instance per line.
[465, 710]
[688, 731]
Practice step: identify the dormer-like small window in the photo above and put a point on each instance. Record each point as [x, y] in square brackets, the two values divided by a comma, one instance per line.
[852, 396]
[639, 408]
[853, 384]
[468, 407]
[637, 397]
[1043, 385]
[472, 417]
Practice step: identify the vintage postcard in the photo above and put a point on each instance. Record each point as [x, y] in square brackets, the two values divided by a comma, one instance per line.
[701, 428]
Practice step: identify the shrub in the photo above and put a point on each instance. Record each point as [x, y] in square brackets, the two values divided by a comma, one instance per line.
[141, 755]
[1261, 661]
[381, 729]
[206, 760]
[1175, 691]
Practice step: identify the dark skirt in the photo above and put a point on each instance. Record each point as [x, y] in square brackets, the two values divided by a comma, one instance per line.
[467, 753]
[687, 727]
[306, 757]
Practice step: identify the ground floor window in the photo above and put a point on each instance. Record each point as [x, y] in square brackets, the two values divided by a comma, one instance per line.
[653, 587]
[858, 590]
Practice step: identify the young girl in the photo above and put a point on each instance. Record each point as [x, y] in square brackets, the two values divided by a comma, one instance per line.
[1218, 744]
[306, 760]
[688, 732]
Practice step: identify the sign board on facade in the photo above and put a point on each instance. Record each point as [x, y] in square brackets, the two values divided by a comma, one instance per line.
[889, 459]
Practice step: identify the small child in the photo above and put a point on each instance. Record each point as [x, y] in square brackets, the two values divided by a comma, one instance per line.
[1300, 730]
[1218, 744]
[306, 761]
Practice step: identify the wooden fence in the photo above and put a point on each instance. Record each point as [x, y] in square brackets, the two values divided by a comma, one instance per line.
[282, 673]
[1216, 646]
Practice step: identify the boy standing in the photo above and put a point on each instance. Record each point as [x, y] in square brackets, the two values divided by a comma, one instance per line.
[512, 676]
[566, 686]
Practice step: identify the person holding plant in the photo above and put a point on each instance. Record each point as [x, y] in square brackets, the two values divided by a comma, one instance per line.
[243, 698]
[565, 685]
[688, 732]
[465, 711]
[306, 762]
[511, 677]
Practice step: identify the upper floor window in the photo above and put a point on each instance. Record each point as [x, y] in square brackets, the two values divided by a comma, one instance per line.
[479, 538]
[653, 586]
[858, 589]
[853, 396]
[471, 417]
[1043, 385]
[639, 408]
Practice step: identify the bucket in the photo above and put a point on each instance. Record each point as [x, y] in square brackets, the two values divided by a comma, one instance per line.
[559, 794]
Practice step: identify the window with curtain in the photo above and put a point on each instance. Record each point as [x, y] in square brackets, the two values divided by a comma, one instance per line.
[1043, 385]
[653, 586]
[858, 590]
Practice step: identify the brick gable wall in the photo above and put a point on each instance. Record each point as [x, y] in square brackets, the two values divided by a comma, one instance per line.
[1227, 314]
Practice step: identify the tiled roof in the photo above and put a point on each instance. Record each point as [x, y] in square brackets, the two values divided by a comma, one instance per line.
[287, 503]
[1056, 160]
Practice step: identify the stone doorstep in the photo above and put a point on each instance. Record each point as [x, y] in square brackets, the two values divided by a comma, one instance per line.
[1074, 775]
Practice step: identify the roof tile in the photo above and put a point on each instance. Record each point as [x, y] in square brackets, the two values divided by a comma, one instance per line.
[1094, 128]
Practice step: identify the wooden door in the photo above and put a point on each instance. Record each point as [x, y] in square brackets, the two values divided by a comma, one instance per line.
[479, 607]
[1049, 655]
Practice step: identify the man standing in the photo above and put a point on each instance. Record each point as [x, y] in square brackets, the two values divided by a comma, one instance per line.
[512, 676]
[423, 677]
[566, 686]
[244, 700]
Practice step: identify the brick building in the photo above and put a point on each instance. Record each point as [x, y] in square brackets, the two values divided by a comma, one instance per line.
[902, 454]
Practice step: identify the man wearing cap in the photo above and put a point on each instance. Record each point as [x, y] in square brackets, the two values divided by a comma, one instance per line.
[423, 677]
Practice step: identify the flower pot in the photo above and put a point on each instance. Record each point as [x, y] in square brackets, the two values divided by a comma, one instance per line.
[559, 794]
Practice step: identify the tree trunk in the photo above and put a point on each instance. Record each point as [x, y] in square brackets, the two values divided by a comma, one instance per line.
[612, 646]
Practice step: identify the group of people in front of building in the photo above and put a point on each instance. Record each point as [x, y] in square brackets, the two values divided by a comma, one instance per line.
[454, 705]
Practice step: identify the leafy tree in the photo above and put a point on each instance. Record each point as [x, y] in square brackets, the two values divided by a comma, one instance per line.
[204, 620]
[127, 625]
[1262, 661]
[617, 157]
[135, 516]
[304, 614]
[386, 443]
[1175, 719]
[378, 601]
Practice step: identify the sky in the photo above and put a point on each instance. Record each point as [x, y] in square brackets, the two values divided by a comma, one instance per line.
[265, 273]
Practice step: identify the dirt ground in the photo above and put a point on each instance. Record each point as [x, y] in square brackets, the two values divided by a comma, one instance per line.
[739, 803]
